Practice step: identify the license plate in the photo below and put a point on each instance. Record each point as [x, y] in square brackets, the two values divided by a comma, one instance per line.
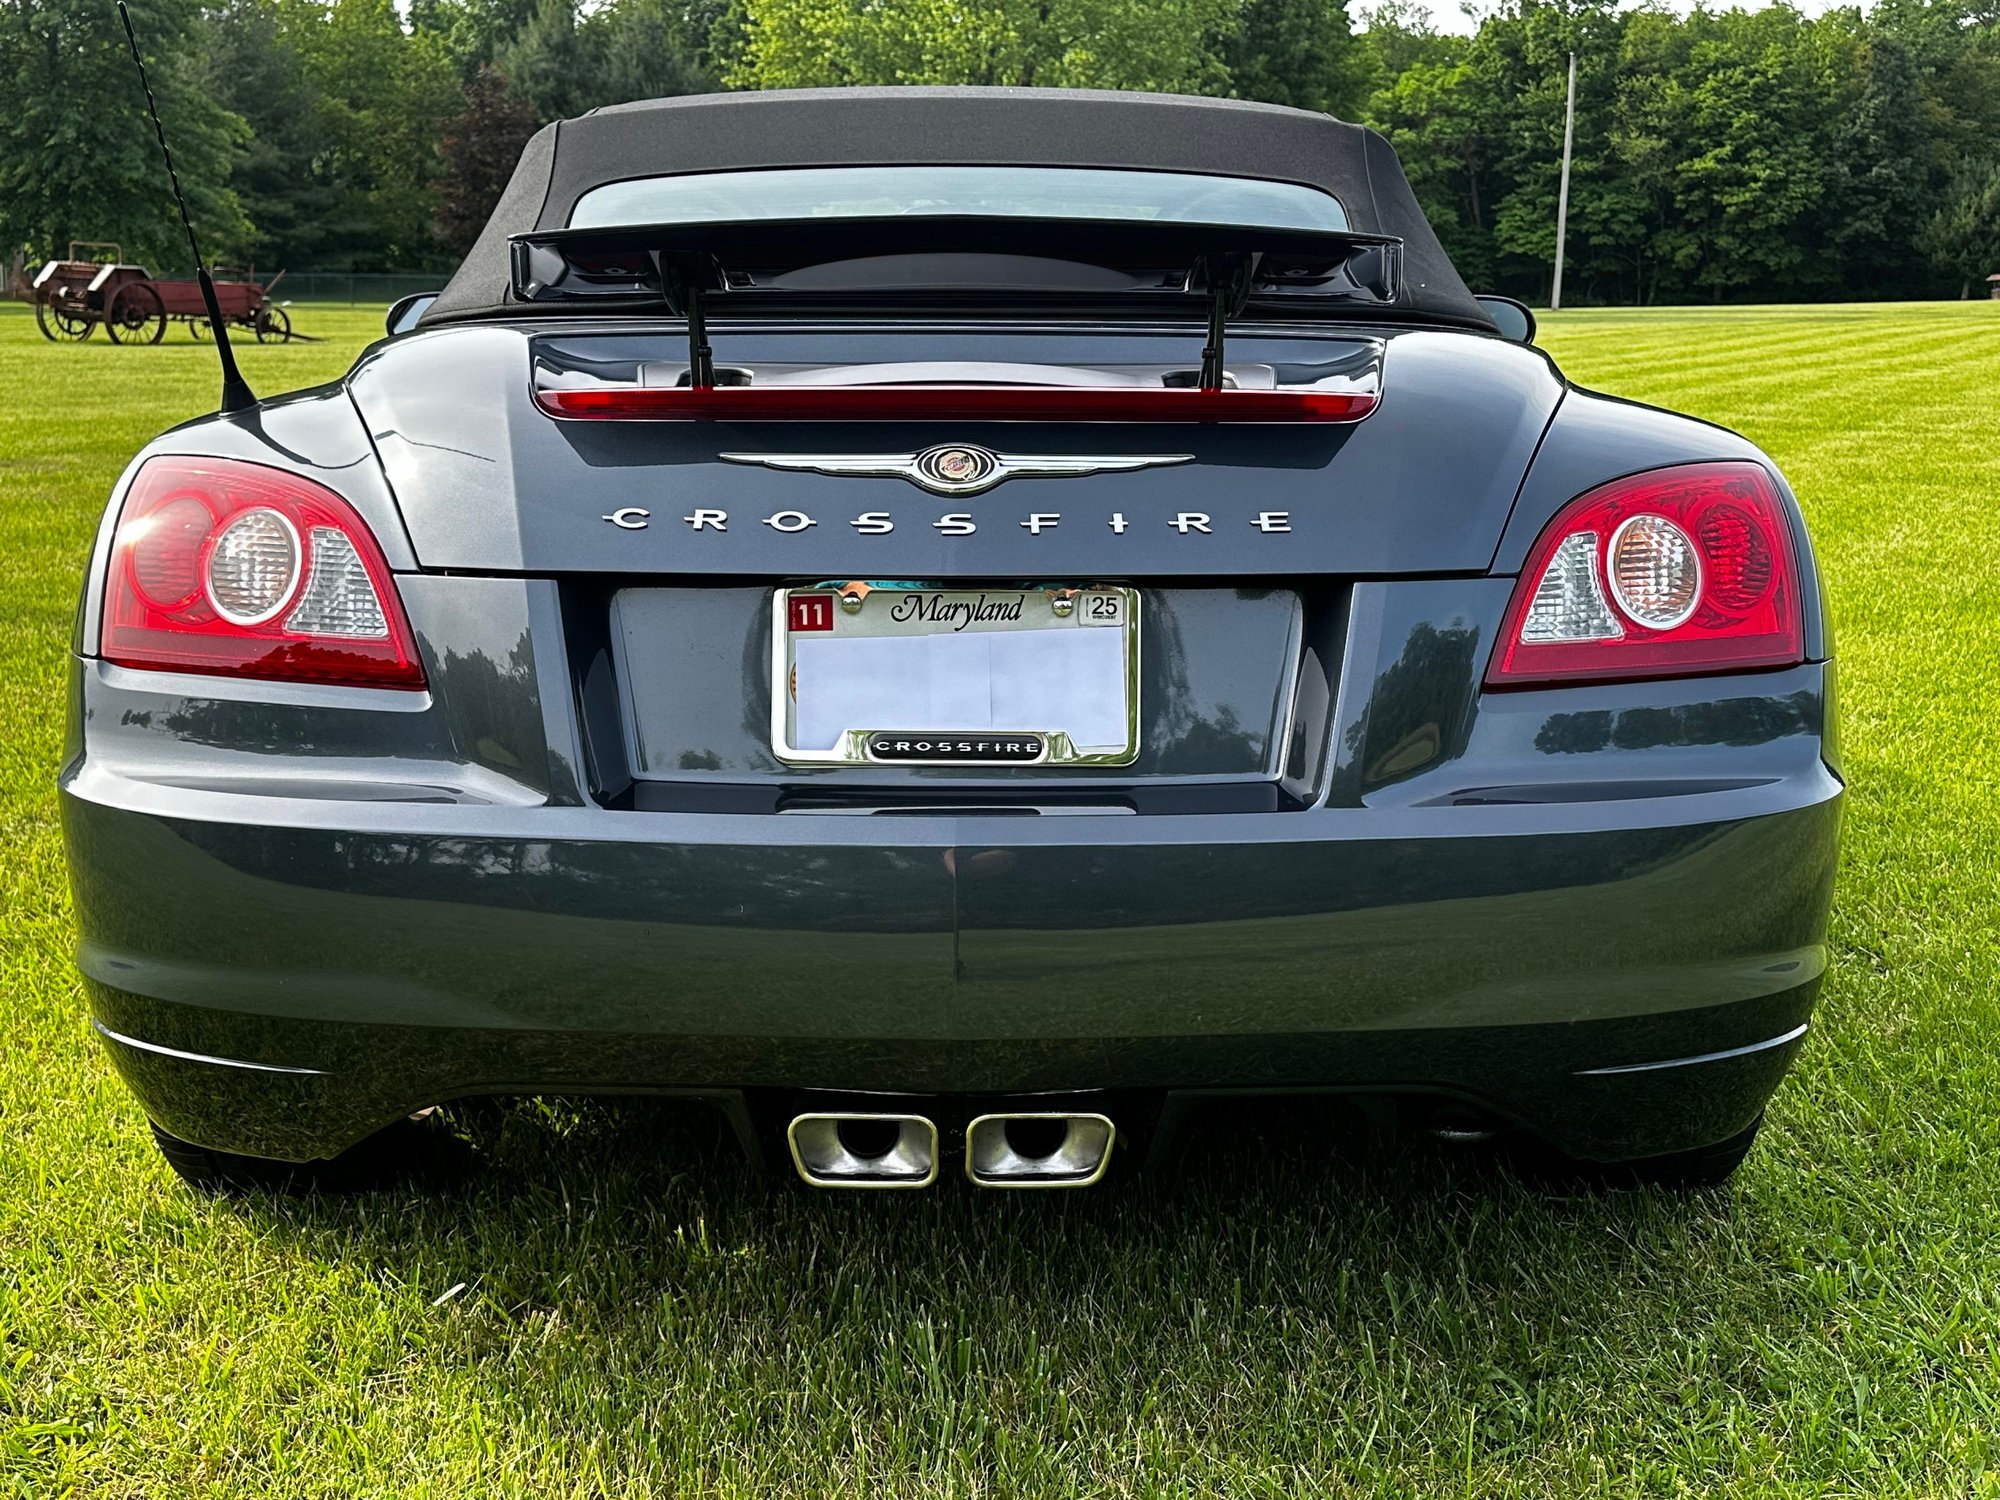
[895, 674]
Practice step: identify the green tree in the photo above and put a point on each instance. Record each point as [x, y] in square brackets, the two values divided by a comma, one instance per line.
[554, 61]
[481, 148]
[1758, 115]
[384, 98]
[1297, 52]
[253, 70]
[77, 154]
[1883, 178]
[653, 49]
[472, 32]
[1962, 238]
[1521, 64]
[566, 60]
[1447, 132]
[1399, 35]
[1125, 44]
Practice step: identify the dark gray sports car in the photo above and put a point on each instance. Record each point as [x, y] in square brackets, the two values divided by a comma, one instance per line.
[955, 625]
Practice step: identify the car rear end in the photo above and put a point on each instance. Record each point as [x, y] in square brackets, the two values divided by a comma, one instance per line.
[981, 784]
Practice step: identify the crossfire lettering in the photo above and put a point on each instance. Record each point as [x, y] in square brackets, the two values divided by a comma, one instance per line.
[958, 523]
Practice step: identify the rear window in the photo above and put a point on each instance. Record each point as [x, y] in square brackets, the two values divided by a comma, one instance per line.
[1023, 192]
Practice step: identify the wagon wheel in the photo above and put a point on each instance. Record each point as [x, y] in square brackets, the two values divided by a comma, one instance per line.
[199, 330]
[59, 323]
[274, 324]
[137, 315]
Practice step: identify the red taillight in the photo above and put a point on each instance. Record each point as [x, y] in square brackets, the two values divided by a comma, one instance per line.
[970, 403]
[1671, 573]
[233, 568]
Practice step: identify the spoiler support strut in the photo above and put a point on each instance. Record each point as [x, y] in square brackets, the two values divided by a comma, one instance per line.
[1231, 276]
[682, 280]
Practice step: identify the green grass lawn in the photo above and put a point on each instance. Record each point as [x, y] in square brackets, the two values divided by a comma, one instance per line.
[636, 1319]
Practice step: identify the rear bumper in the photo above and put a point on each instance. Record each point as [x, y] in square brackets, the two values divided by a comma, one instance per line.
[282, 976]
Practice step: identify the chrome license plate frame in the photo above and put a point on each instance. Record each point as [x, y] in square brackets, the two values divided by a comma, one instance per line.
[911, 611]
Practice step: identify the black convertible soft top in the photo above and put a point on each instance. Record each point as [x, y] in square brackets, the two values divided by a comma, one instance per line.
[957, 126]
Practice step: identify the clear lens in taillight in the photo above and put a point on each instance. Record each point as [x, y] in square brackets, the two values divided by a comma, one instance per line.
[234, 568]
[1670, 573]
[1568, 604]
[252, 567]
[1654, 572]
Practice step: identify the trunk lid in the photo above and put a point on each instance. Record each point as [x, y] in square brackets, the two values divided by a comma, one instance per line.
[487, 482]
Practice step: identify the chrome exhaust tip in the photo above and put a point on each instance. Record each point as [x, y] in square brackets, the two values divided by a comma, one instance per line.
[1051, 1150]
[864, 1150]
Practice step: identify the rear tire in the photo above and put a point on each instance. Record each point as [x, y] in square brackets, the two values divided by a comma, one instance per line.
[382, 1159]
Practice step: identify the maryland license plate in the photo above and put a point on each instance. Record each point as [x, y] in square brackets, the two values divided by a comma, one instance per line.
[895, 674]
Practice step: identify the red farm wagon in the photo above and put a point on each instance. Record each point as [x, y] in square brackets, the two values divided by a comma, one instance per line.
[73, 296]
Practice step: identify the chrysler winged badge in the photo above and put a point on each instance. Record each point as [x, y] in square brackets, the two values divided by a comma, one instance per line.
[959, 468]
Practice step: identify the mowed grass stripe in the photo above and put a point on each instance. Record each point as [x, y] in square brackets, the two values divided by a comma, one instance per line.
[1741, 375]
[1743, 380]
[639, 1321]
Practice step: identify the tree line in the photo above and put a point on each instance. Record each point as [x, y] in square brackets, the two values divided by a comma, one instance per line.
[1723, 155]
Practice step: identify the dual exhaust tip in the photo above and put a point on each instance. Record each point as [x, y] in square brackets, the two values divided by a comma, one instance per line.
[1049, 1149]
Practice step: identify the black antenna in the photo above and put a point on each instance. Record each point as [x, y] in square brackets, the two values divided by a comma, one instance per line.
[236, 394]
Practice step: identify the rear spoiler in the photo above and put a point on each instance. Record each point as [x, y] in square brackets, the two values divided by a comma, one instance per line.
[684, 266]
[642, 262]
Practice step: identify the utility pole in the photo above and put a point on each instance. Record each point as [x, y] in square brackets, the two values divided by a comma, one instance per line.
[1562, 197]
